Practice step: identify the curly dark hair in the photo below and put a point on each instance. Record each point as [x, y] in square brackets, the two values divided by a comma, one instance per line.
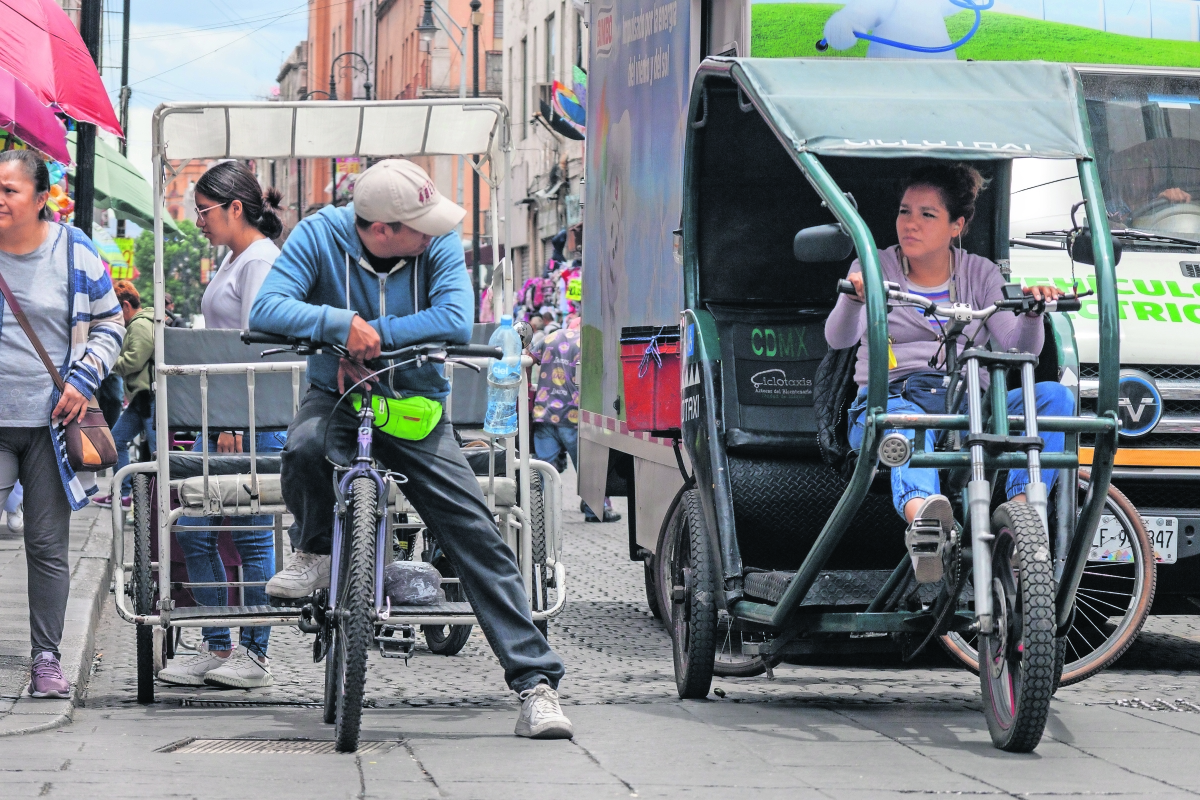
[958, 185]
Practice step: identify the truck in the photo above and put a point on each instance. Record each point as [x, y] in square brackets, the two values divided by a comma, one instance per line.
[1141, 77]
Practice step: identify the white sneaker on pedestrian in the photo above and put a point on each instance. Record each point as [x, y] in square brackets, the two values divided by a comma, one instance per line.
[242, 670]
[190, 671]
[16, 519]
[303, 575]
[541, 717]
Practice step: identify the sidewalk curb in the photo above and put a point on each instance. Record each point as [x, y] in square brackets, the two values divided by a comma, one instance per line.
[89, 590]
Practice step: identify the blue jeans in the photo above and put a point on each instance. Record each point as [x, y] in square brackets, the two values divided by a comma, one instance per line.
[1053, 399]
[128, 427]
[257, 549]
[553, 443]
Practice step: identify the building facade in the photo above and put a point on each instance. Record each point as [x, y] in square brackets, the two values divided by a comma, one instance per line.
[546, 41]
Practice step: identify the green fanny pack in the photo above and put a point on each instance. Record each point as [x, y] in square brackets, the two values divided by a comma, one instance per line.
[405, 418]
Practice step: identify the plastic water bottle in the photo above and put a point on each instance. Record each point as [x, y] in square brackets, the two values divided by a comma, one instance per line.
[504, 381]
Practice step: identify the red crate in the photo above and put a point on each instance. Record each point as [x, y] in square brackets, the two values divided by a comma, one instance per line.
[650, 365]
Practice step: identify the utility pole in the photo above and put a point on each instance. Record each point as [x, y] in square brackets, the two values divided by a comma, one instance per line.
[476, 21]
[85, 136]
[125, 92]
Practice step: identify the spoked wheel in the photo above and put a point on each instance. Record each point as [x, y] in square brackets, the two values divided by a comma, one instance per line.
[143, 585]
[448, 640]
[1113, 600]
[355, 614]
[693, 610]
[1019, 654]
[731, 661]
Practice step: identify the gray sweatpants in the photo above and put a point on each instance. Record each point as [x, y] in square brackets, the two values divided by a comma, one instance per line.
[28, 454]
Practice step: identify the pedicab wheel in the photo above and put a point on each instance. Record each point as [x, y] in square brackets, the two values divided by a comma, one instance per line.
[1018, 656]
[1112, 603]
[649, 568]
[447, 640]
[730, 661]
[143, 585]
[537, 516]
[355, 613]
[693, 610]
[664, 554]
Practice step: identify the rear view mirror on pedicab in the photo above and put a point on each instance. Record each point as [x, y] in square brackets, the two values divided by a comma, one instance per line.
[1081, 249]
[822, 243]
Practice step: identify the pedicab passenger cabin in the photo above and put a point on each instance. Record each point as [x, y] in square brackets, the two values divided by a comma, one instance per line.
[791, 172]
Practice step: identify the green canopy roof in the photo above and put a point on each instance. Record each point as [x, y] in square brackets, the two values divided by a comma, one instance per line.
[121, 188]
[888, 108]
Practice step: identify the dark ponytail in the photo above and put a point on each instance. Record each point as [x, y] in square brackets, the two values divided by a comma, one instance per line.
[958, 184]
[36, 171]
[232, 180]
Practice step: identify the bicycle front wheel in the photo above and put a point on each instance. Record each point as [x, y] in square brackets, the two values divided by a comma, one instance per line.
[355, 612]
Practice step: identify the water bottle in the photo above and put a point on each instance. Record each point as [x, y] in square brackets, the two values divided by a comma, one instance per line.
[504, 381]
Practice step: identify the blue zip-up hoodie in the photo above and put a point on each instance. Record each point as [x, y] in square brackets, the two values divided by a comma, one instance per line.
[423, 299]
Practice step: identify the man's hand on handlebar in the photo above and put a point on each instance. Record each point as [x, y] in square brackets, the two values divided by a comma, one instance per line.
[363, 343]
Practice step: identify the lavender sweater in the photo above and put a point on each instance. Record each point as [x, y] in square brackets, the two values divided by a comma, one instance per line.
[977, 281]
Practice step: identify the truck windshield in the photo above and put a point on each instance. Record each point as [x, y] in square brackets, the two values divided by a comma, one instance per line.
[1146, 131]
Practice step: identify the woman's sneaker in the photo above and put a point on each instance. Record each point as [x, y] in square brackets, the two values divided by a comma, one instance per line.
[243, 670]
[47, 679]
[541, 717]
[929, 536]
[16, 519]
[190, 671]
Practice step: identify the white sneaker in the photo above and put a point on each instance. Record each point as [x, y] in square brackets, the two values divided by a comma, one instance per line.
[303, 575]
[243, 670]
[16, 519]
[929, 536]
[541, 717]
[190, 671]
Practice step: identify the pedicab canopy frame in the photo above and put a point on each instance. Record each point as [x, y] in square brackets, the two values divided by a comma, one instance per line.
[833, 109]
[286, 130]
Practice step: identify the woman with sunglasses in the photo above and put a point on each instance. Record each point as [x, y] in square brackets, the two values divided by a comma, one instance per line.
[233, 212]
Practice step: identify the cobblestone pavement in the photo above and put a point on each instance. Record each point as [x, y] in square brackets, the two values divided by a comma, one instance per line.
[616, 652]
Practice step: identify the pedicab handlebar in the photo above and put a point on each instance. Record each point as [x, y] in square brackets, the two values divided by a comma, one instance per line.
[1014, 300]
[426, 351]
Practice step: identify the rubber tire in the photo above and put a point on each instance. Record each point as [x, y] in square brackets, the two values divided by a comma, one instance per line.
[652, 600]
[357, 619]
[537, 517]
[694, 617]
[1021, 551]
[963, 651]
[741, 666]
[329, 709]
[447, 640]
[664, 552]
[143, 585]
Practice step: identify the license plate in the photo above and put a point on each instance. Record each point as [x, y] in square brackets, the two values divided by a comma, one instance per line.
[1112, 545]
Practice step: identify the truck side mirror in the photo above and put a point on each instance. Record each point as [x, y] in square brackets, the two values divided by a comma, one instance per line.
[822, 243]
[1081, 248]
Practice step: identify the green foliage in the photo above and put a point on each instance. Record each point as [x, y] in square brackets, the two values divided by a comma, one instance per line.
[181, 265]
[791, 30]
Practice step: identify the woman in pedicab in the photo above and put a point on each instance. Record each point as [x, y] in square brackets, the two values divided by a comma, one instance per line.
[232, 212]
[937, 206]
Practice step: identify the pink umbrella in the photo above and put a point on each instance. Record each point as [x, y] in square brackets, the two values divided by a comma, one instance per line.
[42, 49]
[30, 121]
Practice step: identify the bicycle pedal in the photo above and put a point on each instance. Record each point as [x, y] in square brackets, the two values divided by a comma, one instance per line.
[391, 646]
[290, 602]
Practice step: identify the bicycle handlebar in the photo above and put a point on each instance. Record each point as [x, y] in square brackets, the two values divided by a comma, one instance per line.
[451, 351]
[1064, 303]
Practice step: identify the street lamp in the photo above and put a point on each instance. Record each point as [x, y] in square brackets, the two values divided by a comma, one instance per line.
[428, 28]
[333, 73]
[476, 21]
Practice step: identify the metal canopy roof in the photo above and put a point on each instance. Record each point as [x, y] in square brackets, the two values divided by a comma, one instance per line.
[888, 108]
[473, 126]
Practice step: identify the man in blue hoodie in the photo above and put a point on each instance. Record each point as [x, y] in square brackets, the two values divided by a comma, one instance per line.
[381, 274]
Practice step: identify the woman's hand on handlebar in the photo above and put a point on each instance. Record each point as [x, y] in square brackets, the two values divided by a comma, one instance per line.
[1042, 294]
[860, 291]
[350, 373]
[363, 343]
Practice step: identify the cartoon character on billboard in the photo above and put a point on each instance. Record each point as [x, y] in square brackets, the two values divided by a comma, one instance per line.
[615, 164]
[900, 28]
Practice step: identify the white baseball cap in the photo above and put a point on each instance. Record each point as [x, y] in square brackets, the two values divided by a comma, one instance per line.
[396, 190]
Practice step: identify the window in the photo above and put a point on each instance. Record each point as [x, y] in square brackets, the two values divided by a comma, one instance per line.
[579, 40]
[551, 47]
[524, 89]
[494, 66]
[498, 21]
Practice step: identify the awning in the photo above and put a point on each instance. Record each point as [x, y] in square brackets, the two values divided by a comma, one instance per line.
[888, 108]
[121, 188]
[342, 129]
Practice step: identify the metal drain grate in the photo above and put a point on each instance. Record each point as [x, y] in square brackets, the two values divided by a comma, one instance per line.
[248, 746]
[1158, 704]
[191, 702]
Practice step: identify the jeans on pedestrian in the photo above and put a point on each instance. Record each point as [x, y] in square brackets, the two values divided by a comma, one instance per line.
[130, 424]
[257, 549]
[444, 490]
[553, 443]
[1053, 399]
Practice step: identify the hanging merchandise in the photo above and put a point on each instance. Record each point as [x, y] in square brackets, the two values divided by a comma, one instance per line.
[60, 204]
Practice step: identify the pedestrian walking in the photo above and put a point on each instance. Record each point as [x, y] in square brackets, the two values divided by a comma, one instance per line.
[61, 288]
[136, 366]
[233, 212]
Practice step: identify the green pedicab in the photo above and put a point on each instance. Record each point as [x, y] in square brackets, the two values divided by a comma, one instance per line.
[781, 534]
